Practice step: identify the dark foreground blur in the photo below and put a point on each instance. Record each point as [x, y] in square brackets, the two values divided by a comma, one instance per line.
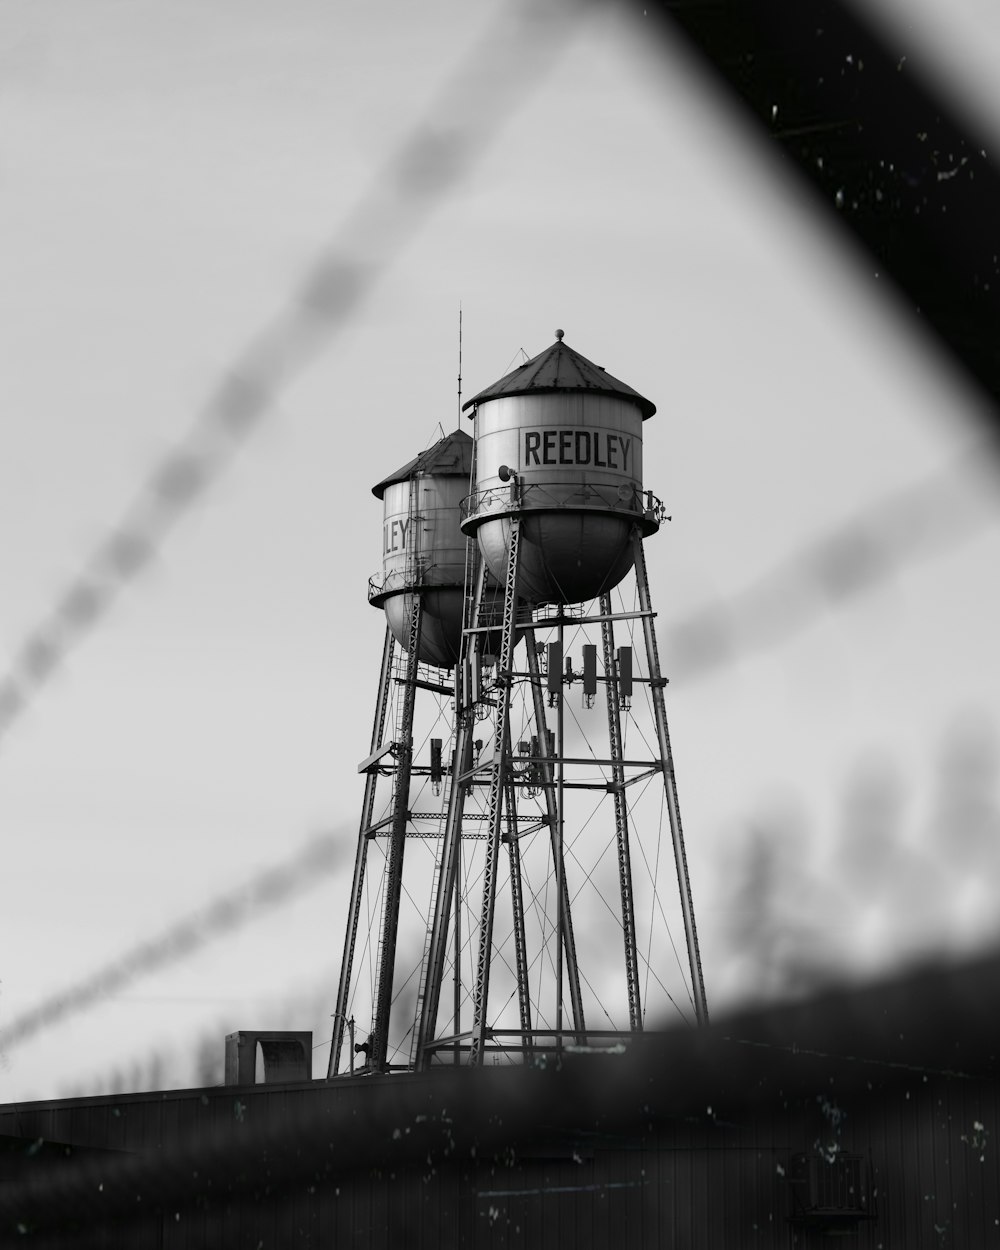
[866, 1113]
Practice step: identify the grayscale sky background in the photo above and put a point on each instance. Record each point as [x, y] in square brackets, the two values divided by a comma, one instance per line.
[169, 174]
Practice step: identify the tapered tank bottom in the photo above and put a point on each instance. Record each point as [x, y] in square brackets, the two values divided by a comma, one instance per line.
[565, 556]
[441, 624]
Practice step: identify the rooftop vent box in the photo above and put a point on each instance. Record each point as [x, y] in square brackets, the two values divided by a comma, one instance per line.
[286, 1057]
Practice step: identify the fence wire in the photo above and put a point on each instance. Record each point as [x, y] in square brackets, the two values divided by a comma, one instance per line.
[833, 570]
[495, 75]
[275, 887]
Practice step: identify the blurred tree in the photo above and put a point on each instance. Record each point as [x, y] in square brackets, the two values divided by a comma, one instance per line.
[889, 890]
[779, 929]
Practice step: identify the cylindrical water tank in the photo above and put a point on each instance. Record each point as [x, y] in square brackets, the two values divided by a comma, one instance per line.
[567, 437]
[423, 548]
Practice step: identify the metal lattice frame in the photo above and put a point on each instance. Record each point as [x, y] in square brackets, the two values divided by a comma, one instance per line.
[429, 996]
[495, 803]
[621, 816]
[397, 844]
[548, 788]
[656, 685]
[502, 825]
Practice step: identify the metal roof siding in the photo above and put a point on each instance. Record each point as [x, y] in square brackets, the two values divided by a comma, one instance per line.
[451, 456]
[560, 368]
[684, 1140]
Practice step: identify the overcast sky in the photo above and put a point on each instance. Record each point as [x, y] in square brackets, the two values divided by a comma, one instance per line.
[170, 175]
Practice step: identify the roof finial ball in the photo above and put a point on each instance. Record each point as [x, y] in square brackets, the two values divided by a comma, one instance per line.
[559, 335]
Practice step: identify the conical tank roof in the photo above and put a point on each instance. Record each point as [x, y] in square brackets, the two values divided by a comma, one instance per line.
[560, 368]
[451, 457]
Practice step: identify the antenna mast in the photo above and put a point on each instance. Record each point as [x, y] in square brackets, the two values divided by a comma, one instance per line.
[459, 366]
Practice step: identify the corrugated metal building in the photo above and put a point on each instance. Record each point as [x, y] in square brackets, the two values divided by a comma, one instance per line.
[870, 1115]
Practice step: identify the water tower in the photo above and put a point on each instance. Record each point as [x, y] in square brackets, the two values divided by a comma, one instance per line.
[559, 513]
[542, 889]
[559, 448]
[423, 549]
[421, 590]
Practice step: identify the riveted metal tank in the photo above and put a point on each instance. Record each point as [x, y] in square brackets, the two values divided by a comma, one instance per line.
[423, 548]
[568, 437]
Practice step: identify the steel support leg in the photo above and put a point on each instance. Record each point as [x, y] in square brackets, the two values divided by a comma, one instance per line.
[367, 809]
[456, 972]
[427, 1008]
[501, 764]
[560, 856]
[397, 843]
[656, 685]
[621, 816]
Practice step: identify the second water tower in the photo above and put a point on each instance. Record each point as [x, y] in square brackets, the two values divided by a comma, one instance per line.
[423, 549]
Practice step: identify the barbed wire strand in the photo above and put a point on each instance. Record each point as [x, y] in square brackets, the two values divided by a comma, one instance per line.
[832, 570]
[495, 75]
[274, 887]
